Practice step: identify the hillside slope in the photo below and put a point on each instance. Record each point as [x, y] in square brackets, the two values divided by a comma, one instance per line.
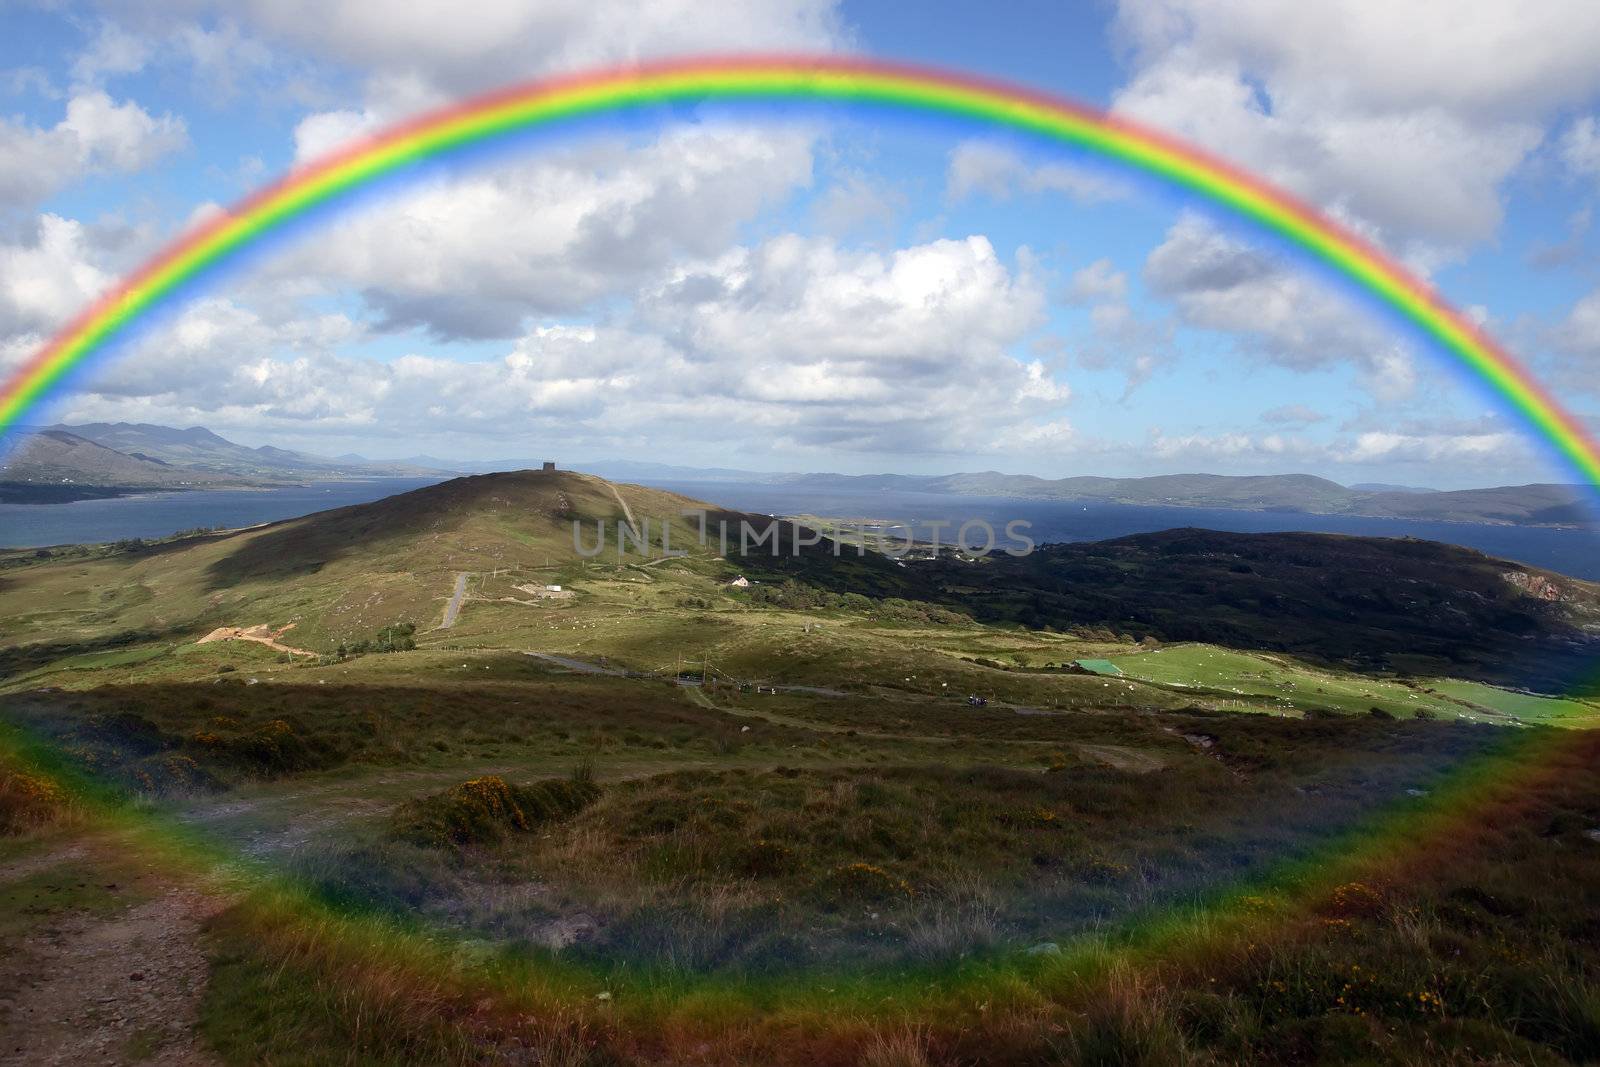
[197, 448]
[339, 575]
[60, 458]
[1377, 603]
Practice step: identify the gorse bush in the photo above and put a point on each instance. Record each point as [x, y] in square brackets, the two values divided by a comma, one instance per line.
[398, 637]
[861, 884]
[276, 747]
[28, 801]
[484, 810]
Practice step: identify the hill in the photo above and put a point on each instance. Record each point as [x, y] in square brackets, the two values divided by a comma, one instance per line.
[149, 456]
[57, 465]
[664, 782]
[65, 463]
[197, 448]
[1373, 604]
[1387, 604]
[339, 575]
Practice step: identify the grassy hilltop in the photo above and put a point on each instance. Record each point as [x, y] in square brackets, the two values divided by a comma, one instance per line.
[1286, 813]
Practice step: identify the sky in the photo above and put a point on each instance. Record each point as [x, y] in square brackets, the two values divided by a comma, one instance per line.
[820, 291]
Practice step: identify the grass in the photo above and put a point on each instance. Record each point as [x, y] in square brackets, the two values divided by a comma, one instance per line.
[722, 879]
[482, 811]
[1476, 951]
[1084, 870]
[70, 887]
[1488, 701]
[1278, 683]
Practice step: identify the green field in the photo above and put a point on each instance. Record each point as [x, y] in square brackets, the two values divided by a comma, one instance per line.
[1525, 707]
[665, 820]
[1278, 683]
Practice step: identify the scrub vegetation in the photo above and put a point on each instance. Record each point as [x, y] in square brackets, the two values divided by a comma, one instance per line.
[851, 812]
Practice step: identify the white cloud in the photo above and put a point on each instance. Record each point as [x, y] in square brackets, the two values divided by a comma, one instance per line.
[1575, 341]
[1404, 117]
[808, 300]
[96, 134]
[1298, 415]
[853, 202]
[320, 133]
[1383, 448]
[44, 279]
[1219, 284]
[114, 50]
[436, 48]
[794, 343]
[1100, 280]
[984, 167]
[1580, 148]
[120, 136]
[1387, 446]
[1197, 446]
[473, 256]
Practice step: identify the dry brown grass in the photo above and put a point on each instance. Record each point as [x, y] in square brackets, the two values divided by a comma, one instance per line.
[905, 1045]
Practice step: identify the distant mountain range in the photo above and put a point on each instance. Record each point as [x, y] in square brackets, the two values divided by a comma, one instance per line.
[100, 459]
[62, 463]
[1529, 505]
[1520, 505]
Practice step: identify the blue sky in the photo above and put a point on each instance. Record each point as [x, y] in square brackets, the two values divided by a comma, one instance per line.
[821, 291]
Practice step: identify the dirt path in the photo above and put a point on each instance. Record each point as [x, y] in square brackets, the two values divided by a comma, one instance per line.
[452, 608]
[627, 512]
[30, 863]
[122, 989]
[261, 635]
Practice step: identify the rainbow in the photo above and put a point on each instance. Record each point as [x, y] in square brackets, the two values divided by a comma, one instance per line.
[784, 79]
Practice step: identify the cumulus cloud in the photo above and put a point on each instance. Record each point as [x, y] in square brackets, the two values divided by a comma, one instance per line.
[901, 351]
[473, 256]
[808, 299]
[980, 167]
[1389, 446]
[114, 50]
[425, 52]
[796, 341]
[96, 134]
[1362, 105]
[1100, 280]
[46, 276]
[1218, 283]
[1119, 336]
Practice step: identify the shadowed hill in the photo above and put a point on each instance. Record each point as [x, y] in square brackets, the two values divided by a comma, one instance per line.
[1388, 603]
[340, 576]
[533, 509]
[486, 520]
